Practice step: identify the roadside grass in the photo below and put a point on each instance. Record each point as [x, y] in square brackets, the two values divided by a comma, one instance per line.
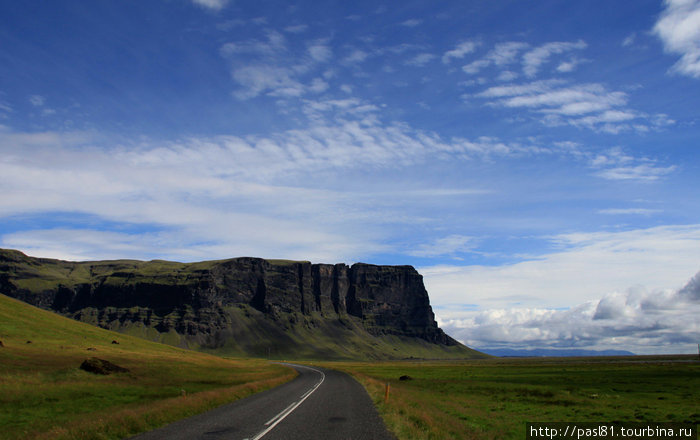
[44, 394]
[495, 398]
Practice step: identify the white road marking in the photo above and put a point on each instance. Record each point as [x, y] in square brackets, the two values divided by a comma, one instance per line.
[282, 415]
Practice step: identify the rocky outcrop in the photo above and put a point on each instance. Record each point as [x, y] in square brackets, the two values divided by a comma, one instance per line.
[196, 299]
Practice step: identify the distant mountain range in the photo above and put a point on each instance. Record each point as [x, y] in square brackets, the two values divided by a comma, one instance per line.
[552, 352]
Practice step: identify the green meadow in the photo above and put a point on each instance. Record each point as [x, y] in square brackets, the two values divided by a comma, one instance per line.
[45, 395]
[495, 398]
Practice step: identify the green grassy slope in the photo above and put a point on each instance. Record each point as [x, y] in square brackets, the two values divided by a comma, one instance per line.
[44, 394]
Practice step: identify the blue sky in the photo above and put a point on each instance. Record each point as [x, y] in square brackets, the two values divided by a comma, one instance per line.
[536, 161]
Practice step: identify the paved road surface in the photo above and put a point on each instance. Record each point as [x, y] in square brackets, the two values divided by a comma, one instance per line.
[319, 404]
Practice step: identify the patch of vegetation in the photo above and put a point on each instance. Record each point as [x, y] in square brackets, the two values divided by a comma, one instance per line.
[495, 398]
[45, 394]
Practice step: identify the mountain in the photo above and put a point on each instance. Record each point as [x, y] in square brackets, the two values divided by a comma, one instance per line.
[243, 306]
[553, 352]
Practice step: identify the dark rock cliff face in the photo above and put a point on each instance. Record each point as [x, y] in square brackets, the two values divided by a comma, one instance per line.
[195, 299]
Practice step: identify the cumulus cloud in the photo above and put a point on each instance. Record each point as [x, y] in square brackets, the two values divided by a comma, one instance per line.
[580, 295]
[637, 320]
[678, 27]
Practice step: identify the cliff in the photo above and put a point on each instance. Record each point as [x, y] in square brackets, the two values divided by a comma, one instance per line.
[246, 306]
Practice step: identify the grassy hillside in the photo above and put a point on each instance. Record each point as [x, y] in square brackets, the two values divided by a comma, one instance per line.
[44, 394]
[495, 398]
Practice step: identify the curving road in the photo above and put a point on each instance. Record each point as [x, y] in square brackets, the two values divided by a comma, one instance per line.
[318, 404]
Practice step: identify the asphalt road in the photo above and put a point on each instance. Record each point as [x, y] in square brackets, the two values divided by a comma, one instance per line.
[319, 404]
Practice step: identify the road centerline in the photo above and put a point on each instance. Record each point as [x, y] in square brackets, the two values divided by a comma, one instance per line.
[281, 416]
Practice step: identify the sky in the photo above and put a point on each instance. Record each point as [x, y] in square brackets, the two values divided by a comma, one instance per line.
[537, 162]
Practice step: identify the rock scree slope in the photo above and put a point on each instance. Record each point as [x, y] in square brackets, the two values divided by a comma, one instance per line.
[243, 306]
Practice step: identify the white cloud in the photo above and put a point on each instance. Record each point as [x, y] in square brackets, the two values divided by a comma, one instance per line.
[275, 68]
[629, 211]
[5, 107]
[475, 66]
[534, 59]
[214, 5]
[225, 194]
[357, 56]
[320, 52]
[590, 106]
[638, 320]
[273, 46]
[37, 100]
[506, 53]
[615, 164]
[501, 55]
[459, 51]
[273, 80]
[507, 75]
[230, 193]
[629, 40]
[678, 28]
[570, 65]
[637, 172]
[568, 298]
[421, 59]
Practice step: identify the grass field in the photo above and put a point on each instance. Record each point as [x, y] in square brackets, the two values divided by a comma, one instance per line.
[495, 398]
[44, 394]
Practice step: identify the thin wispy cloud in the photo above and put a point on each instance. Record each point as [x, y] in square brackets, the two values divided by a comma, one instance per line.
[421, 59]
[413, 22]
[460, 51]
[630, 211]
[557, 102]
[451, 245]
[535, 58]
